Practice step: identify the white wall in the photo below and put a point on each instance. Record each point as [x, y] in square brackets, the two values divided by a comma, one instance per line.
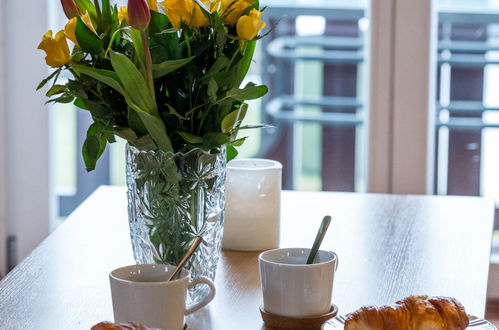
[3, 215]
[27, 139]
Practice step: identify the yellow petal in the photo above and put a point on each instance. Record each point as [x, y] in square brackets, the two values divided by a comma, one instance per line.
[88, 22]
[56, 49]
[178, 11]
[198, 19]
[153, 5]
[231, 10]
[69, 30]
[123, 14]
[248, 26]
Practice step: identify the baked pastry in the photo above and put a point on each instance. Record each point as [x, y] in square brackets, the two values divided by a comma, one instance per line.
[412, 313]
[120, 326]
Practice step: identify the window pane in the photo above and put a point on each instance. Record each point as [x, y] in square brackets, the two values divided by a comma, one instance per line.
[468, 104]
[315, 67]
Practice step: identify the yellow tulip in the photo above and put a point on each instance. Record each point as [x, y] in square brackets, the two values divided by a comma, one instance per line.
[188, 12]
[123, 14]
[178, 11]
[233, 9]
[198, 18]
[70, 28]
[248, 26]
[153, 5]
[56, 49]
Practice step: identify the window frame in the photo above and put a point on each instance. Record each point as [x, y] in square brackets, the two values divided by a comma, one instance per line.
[401, 155]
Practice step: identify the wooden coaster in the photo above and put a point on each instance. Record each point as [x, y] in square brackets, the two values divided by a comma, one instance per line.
[279, 322]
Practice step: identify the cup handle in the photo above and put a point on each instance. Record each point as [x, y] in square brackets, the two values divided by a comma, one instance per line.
[206, 300]
[337, 261]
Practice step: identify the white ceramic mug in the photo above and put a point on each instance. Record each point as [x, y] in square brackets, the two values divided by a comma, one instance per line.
[294, 289]
[143, 294]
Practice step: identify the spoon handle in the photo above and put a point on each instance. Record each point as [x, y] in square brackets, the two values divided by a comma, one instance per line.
[187, 256]
[318, 239]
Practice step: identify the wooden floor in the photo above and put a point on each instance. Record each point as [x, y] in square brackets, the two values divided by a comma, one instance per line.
[492, 312]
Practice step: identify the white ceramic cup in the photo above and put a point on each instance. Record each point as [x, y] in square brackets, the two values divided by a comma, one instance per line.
[294, 289]
[143, 294]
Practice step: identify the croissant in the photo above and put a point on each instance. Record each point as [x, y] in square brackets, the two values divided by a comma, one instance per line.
[411, 313]
[120, 326]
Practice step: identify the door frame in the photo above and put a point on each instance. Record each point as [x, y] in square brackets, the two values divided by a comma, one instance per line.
[402, 87]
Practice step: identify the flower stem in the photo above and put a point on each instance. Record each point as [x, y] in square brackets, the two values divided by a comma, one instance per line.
[148, 61]
[97, 7]
[188, 43]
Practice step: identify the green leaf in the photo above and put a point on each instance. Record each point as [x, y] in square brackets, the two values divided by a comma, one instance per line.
[157, 130]
[159, 22]
[94, 146]
[139, 49]
[56, 89]
[46, 80]
[164, 36]
[213, 140]
[166, 67]
[175, 113]
[247, 58]
[247, 93]
[87, 39]
[152, 124]
[144, 142]
[212, 90]
[234, 119]
[133, 83]
[65, 98]
[191, 138]
[220, 63]
[94, 129]
[91, 149]
[106, 16]
[239, 142]
[135, 123]
[108, 77]
[231, 152]
[79, 103]
[87, 5]
[256, 126]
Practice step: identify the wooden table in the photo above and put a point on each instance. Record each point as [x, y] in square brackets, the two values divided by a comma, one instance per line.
[389, 247]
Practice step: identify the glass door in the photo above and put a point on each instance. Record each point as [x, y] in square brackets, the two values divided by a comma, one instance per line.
[467, 121]
[315, 63]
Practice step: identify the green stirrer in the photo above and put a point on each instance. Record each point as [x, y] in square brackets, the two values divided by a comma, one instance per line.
[318, 239]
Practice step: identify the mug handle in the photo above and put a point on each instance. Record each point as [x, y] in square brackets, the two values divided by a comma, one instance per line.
[337, 261]
[206, 300]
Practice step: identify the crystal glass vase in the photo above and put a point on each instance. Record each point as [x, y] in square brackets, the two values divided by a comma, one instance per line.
[172, 198]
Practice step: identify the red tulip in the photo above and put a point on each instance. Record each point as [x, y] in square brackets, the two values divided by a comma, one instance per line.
[70, 8]
[139, 15]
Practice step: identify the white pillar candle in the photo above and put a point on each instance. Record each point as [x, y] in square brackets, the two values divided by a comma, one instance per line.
[253, 205]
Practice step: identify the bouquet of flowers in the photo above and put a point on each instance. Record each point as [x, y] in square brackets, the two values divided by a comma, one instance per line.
[164, 76]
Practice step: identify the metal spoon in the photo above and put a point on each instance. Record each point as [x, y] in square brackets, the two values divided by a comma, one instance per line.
[187, 256]
[318, 239]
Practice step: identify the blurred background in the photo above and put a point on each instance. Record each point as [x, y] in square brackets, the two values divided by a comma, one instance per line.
[327, 84]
